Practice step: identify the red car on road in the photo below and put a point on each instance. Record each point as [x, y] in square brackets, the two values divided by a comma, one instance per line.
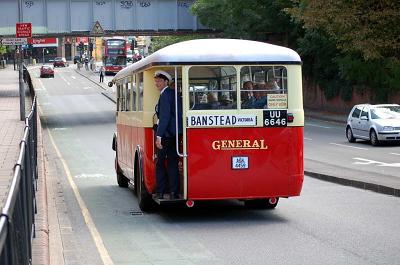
[46, 70]
[60, 62]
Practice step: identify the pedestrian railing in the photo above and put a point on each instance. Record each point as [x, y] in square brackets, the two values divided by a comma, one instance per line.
[17, 218]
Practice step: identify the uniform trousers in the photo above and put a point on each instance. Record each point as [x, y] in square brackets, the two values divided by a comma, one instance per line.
[167, 167]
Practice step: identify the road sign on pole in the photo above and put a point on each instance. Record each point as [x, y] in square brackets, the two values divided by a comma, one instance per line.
[13, 41]
[23, 30]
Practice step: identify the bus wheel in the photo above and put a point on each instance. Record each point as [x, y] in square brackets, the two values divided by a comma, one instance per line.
[270, 203]
[121, 179]
[145, 200]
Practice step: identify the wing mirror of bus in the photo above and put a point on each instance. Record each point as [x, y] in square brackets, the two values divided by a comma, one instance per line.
[110, 84]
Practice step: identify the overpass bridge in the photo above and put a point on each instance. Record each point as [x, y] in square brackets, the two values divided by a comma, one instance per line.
[99, 17]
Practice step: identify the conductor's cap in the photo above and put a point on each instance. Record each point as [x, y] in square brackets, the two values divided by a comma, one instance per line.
[162, 74]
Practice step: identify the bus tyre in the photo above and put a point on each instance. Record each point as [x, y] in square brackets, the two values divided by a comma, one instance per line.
[145, 200]
[121, 179]
[349, 135]
[262, 203]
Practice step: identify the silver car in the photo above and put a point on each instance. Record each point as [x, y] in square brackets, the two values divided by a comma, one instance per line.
[376, 123]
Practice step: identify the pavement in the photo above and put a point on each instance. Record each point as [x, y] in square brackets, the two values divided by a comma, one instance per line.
[11, 133]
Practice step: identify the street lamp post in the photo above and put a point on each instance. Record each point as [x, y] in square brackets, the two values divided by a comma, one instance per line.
[43, 53]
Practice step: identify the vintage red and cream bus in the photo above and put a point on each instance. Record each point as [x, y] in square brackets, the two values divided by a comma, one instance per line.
[114, 58]
[243, 122]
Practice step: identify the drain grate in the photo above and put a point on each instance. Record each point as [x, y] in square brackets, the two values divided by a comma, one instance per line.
[136, 213]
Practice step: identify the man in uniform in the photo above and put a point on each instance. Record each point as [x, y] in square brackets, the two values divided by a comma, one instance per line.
[166, 137]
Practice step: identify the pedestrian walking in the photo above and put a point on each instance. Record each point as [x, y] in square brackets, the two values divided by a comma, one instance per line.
[87, 64]
[102, 73]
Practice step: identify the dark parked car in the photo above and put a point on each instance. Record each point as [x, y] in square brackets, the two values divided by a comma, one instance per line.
[46, 70]
[60, 62]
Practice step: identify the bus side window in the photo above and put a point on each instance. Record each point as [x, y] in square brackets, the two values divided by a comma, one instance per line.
[140, 91]
[127, 97]
[133, 91]
[120, 98]
[123, 99]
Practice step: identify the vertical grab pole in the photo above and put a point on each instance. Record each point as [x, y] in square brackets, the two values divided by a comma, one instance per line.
[176, 116]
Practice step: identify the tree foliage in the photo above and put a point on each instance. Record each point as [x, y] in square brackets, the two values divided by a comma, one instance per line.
[368, 27]
[366, 36]
[250, 19]
[3, 49]
[343, 44]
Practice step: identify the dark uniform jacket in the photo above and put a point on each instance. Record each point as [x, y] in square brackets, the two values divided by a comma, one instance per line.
[166, 114]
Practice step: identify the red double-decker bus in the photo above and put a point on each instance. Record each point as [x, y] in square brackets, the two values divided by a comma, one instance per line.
[239, 141]
[114, 58]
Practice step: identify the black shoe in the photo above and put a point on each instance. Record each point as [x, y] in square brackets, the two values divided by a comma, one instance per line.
[158, 196]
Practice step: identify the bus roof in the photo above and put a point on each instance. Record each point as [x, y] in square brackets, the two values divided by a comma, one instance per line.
[215, 51]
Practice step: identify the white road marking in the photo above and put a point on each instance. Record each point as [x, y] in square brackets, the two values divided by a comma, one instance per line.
[364, 161]
[319, 126]
[89, 176]
[65, 80]
[396, 154]
[41, 84]
[349, 146]
[59, 129]
[105, 257]
[305, 138]
[73, 77]
[87, 87]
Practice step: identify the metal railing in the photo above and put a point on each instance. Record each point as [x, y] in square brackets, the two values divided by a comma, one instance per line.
[17, 218]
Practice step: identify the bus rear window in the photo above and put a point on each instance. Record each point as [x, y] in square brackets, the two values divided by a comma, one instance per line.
[212, 87]
[263, 87]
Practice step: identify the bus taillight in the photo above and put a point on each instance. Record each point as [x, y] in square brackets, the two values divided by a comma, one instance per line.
[190, 203]
[290, 117]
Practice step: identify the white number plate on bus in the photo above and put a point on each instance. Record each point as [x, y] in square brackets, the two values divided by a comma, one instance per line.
[240, 162]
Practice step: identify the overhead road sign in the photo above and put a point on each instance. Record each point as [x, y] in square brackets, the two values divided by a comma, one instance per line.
[23, 30]
[97, 29]
[13, 41]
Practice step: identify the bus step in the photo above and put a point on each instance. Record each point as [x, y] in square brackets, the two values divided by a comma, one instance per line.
[167, 200]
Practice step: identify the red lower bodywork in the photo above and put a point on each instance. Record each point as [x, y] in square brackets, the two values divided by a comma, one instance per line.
[274, 171]
[113, 69]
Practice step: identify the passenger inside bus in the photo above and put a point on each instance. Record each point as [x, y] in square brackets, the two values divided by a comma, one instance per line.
[213, 101]
[247, 96]
[272, 86]
[260, 96]
[226, 102]
[200, 101]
